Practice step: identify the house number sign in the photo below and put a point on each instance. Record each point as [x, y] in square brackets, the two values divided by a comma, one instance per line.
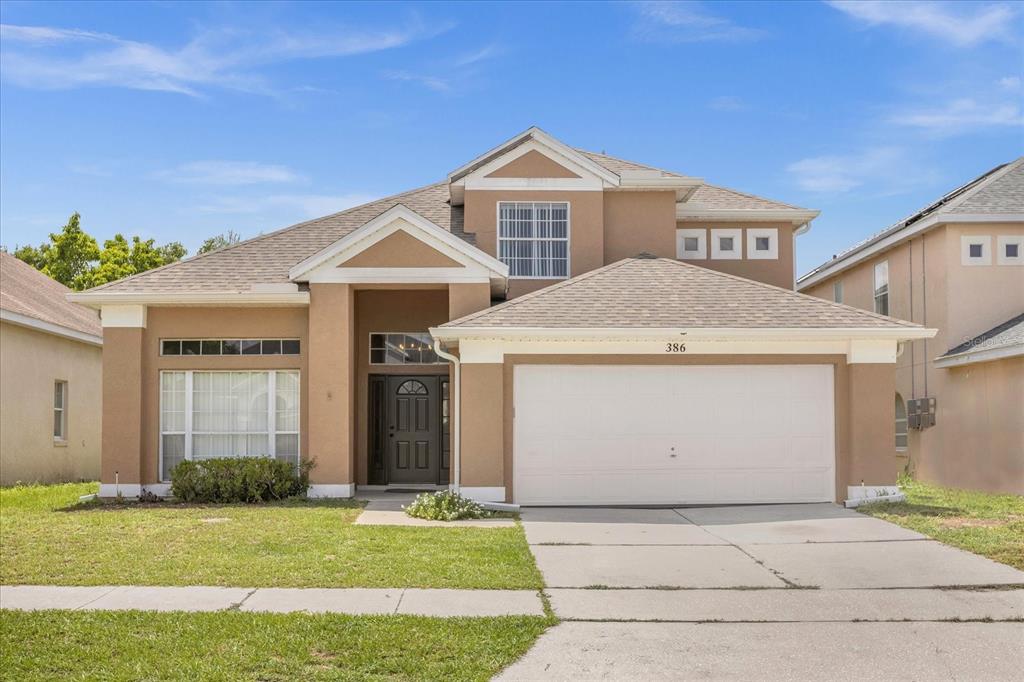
[675, 346]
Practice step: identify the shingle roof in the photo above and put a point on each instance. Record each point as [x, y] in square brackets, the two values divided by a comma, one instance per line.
[1000, 190]
[617, 166]
[1009, 333]
[647, 292]
[712, 196]
[267, 259]
[26, 291]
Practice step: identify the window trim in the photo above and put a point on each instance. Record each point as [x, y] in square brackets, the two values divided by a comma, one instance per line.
[189, 432]
[901, 404]
[876, 292]
[772, 233]
[698, 233]
[568, 237]
[837, 291]
[370, 349]
[984, 241]
[63, 436]
[1005, 240]
[737, 243]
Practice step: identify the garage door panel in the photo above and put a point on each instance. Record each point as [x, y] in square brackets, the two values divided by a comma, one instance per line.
[739, 433]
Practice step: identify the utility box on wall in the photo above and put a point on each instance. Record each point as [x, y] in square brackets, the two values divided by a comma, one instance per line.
[921, 413]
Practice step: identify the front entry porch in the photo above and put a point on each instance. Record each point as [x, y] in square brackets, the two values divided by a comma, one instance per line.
[410, 440]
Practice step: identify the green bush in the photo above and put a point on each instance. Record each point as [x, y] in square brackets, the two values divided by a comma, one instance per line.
[445, 506]
[238, 479]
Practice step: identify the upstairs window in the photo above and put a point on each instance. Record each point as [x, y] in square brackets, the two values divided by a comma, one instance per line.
[726, 244]
[882, 288]
[1010, 250]
[533, 239]
[837, 291]
[691, 243]
[975, 250]
[762, 243]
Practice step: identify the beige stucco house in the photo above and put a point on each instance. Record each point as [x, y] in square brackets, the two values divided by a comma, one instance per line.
[50, 380]
[545, 325]
[958, 266]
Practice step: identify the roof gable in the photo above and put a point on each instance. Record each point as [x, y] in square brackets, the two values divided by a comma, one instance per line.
[532, 164]
[27, 294]
[399, 250]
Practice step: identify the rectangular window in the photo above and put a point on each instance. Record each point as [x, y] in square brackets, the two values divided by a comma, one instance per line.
[762, 243]
[229, 347]
[402, 348]
[533, 239]
[1010, 249]
[60, 410]
[228, 414]
[975, 250]
[691, 243]
[725, 243]
[837, 291]
[882, 288]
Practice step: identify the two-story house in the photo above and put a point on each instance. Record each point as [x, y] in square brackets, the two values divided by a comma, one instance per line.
[958, 266]
[544, 326]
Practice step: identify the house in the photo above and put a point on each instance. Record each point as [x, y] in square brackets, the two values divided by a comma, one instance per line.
[50, 380]
[958, 266]
[545, 326]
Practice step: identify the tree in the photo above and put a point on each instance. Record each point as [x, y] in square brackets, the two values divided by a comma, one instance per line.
[220, 241]
[73, 258]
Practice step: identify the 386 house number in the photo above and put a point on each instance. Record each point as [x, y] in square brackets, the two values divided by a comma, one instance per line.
[675, 347]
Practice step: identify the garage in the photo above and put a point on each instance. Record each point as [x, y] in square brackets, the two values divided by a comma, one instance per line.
[673, 434]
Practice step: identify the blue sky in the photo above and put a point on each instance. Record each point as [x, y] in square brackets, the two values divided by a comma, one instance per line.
[182, 120]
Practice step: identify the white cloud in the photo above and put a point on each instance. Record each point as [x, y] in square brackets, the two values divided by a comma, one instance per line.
[961, 115]
[435, 83]
[727, 103]
[1011, 83]
[981, 23]
[221, 58]
[304, 205]
[685, 22]
[884, 167]
[229, 173]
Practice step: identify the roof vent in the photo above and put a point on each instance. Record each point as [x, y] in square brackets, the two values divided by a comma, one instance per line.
[647, 256]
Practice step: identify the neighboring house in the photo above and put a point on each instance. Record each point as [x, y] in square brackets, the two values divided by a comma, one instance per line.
[958, 265]
[50, 380]
[584, 373]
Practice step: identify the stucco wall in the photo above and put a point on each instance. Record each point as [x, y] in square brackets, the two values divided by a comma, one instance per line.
[777, 271]
[30, 362]
[638, 222]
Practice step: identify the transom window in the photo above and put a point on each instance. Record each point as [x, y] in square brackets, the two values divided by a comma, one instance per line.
[882, 288]
[229, 347]
[533, 239]
[228, 414]
[412, 387]
[403, 348]
[60, 410]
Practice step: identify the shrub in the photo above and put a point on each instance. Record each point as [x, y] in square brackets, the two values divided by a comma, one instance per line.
[238, 479]
[445, 506]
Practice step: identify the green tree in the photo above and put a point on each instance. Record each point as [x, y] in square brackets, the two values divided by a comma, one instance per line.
[70, 254]
[220, 241]
[34, 256]
[120, 259]
[172, 252]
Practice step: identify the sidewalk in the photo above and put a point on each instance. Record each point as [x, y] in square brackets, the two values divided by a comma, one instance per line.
[356, 601]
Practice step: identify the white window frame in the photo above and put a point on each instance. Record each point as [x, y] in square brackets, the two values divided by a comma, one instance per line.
[567, 239]
[905, 431]
[876, 291]
[62, 437]
[737, 244]
[370, 349]
[188, 433]
[773, 243]
[837, 291]
[1005, 240]
[967, 241]
[698, 233]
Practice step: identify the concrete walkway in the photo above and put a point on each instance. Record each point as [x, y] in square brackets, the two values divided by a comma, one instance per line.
[357, 601]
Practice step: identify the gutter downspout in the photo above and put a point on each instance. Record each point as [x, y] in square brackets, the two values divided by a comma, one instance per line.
[456, 415]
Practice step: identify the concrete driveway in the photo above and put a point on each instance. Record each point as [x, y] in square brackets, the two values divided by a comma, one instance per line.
[794, 592]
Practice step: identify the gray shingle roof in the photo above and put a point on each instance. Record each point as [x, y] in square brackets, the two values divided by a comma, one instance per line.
[712, 196]
[617, 165]
[26, 291]
[267, 259]
[1009, 333]
[664, 293]
[1004, 194]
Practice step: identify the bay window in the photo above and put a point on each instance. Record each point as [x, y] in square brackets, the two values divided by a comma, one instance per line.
[533, 239]
[207, 414]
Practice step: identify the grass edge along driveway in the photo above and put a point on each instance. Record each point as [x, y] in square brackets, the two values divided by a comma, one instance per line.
[988, 524]
[227, 645]
[47, 538]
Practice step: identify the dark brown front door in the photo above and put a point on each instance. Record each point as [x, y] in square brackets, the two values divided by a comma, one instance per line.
[413, 429]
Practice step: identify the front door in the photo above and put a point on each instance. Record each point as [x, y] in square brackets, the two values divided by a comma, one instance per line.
[413, 429]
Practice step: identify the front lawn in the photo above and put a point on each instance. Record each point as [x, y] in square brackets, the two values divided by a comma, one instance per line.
[135, 645]
[46, 538]
[983, 523]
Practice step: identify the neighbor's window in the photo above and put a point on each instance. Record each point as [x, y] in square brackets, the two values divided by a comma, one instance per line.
[533, 239]
[837, 291]
[901, 423]
[882, 288]
[402, 349]
[60, 410]
[229, 347]
[228, 414]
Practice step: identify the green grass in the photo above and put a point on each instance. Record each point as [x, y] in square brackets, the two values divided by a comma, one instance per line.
[983, 523]
[46, 538]
[134, 645]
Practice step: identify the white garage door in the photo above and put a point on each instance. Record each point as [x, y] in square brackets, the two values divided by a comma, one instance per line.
[673, 434]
